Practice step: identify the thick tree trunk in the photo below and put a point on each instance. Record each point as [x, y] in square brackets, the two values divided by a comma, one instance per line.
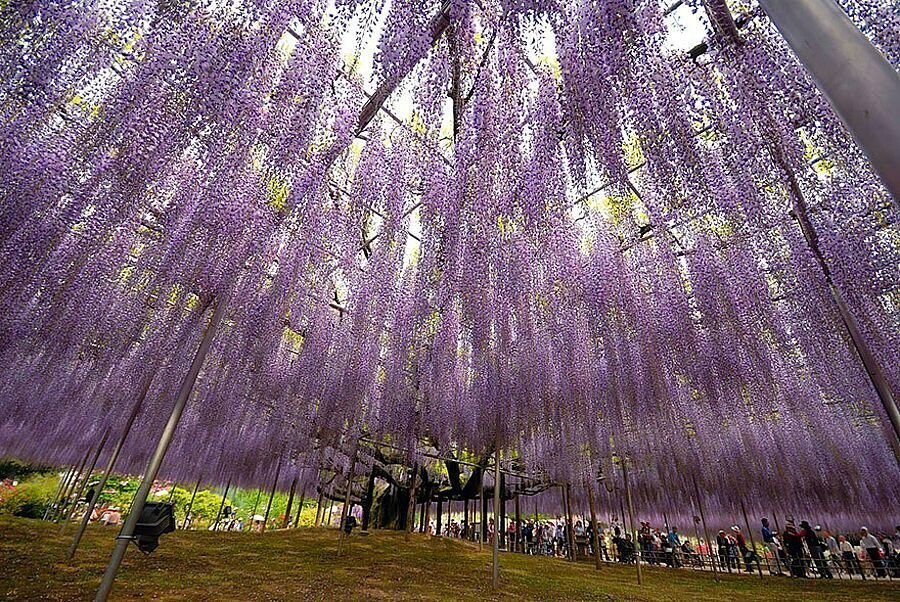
[367, 504]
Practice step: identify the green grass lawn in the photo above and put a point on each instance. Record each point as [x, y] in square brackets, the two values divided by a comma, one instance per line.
[304, 565]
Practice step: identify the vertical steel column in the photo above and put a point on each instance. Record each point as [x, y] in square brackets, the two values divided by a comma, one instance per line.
[861, 85]
[127, 532]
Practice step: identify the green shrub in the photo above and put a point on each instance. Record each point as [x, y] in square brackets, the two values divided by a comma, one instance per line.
[30, 497]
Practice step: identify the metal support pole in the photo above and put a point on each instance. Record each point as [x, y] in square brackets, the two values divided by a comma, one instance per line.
[84, 482]
[518, 534]
[570, 526]
[752, 540]
[256, 504]
[187, 512]
[127, 532]
[300, 508]
[595, 527]
[411, 507]
[858, 81]
[345, 511]
[496, 546]
[718, 12]
[319, 514]
[634, 533]
[53, 508]
[221, 505]
[54, 501]
[712, 556]
[482, 527]
[370, 496]
[287, 512]
[70, 488]
[271, 495]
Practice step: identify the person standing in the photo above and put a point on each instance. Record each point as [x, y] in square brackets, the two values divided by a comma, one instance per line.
[793, 541]
[816, 544]
[869, 543]
[674, 546]
[746, 553]
[722, 545]
[771, 544]
[848, 556]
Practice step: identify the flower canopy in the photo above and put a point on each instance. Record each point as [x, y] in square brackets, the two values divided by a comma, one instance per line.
[565, 229]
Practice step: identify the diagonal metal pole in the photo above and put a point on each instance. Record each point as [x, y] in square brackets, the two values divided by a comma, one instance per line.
[127, 532]
[719, 13]
[859, 82]
[190, 506]
[222, 505]
[70, 488]
[271, 495]
[84, 482]
[709, 545]
[63, 483]
[290, 504]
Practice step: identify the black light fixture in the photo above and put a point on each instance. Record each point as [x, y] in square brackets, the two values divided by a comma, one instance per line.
[157, 518]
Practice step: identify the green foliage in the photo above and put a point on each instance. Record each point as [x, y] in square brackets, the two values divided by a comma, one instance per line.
[119, 491]
[30, 497]
[11, 468]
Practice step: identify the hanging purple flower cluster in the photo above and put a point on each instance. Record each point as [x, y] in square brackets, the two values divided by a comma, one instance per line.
[592, 256]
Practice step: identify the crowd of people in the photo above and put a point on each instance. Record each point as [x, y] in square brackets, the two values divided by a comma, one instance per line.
[799, 550]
